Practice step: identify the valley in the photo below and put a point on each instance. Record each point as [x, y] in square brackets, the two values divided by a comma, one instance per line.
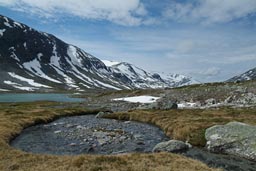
[62, 108]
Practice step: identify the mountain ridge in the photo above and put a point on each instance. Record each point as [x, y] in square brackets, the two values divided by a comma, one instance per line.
[37, 61]
[246, 76]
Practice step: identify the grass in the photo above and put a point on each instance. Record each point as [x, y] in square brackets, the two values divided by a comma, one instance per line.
[15, 117]
[189, 125]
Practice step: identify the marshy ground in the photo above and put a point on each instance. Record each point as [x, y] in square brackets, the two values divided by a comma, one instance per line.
[183, 124]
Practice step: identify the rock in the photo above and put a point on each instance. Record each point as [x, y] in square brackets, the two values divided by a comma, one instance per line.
[72, 144]
[162, 104]
[211, 101]
[171, 146]
[166, 105]
[100, 115]
[57, 132]
[230, 99]
[234, 138]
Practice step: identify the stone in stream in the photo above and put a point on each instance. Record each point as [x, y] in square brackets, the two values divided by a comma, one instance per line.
[101, 114]
[234, 138]
[171, 146]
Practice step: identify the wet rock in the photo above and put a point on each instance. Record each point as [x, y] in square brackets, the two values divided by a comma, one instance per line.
[100, 115]
[171, 146]
[234, 138]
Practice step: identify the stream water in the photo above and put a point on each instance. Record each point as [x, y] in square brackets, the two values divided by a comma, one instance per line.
[90, 135]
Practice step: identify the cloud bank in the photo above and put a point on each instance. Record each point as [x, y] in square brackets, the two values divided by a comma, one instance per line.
[121, 12]
[210, 11]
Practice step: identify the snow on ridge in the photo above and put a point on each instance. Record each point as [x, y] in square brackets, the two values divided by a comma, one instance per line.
[2, 32]
[138, 99]
[29, 81]
[35, 67]
[18, 24]
[7, 24]
[110, 63]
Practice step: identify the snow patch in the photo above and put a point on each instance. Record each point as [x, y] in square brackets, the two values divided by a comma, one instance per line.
[19, 86]
[107, 85]
[187, 105]
[4, 89]
[18, 24]
[29, 81]
[12, 83]
[25, 45]
[74, 56]
[39, 55]
[35, 67]
[139, 99]
[2, 32]
[110, 63]
[7, 24]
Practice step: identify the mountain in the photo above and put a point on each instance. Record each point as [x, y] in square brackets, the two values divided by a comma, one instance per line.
[249, 75]
[36, 61]
[143, 79]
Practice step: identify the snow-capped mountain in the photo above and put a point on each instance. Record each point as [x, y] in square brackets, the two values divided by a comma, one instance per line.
[36, 61]
[249, 75]
[143, 79]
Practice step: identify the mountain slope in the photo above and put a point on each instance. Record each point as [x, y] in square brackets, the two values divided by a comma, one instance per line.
[32, 60]
[36, 61]
[249, 75]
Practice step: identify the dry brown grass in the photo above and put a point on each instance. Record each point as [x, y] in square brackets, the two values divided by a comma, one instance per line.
[189, 124]
[15, 117]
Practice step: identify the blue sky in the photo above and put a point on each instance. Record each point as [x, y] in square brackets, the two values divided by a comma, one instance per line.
[210, 40]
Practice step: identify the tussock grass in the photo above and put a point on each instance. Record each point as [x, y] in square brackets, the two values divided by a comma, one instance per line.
[15, 117]
[189, 125]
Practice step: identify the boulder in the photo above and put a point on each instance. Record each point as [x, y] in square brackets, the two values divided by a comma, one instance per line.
[234, 138]
[173, 146]
[166, 105]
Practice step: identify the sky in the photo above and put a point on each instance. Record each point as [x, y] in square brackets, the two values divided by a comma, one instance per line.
[209, 40]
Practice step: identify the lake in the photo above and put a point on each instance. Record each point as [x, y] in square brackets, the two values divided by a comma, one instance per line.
[30, 97]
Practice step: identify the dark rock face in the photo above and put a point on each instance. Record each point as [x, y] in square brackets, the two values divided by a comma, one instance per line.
[249, 75]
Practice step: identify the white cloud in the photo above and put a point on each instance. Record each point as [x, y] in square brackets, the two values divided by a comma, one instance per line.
[210, 11]
[122, 12]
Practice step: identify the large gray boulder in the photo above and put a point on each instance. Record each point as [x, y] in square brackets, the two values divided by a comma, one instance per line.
[234, 138]
[173, 146]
